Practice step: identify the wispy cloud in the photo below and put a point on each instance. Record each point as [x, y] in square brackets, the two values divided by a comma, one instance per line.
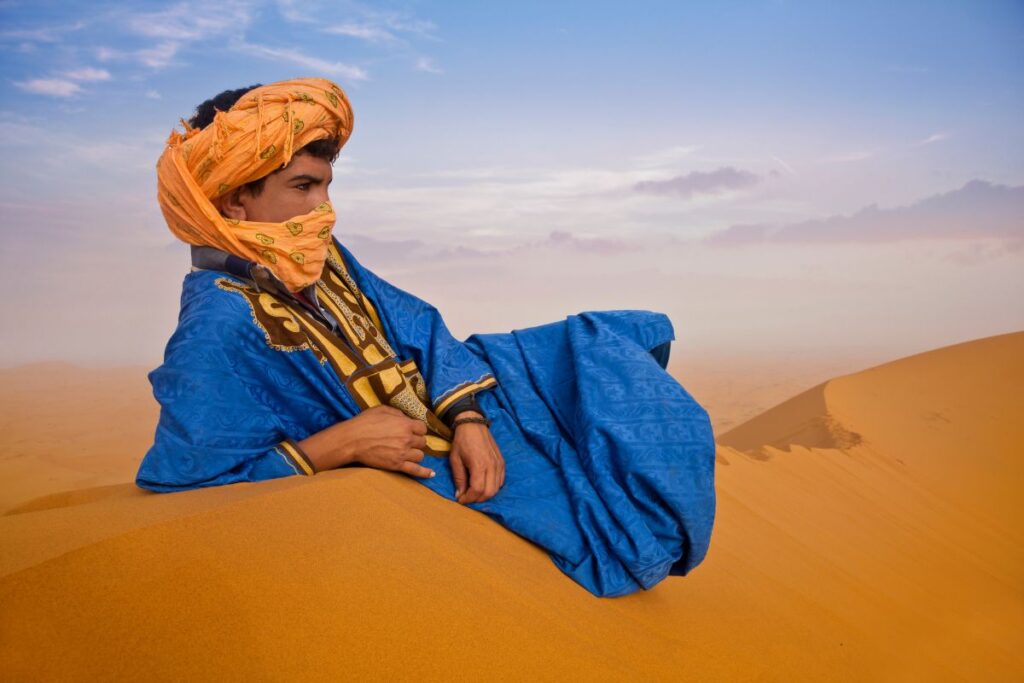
[176, 27]
[88, 74]
[934, 137]
[158, 56]
[315, 64]
[394, 22]
[52, 87]
[191, 21]
[42, 34]
[978, 210]
[427, 64]
[108, 54]
[783, 164]
[360, 20]
[372, 34]
[699, 182]
[597, 245]
[65, 84]
[291, 10]
[414, 251]
[388, 29]
[406, 23]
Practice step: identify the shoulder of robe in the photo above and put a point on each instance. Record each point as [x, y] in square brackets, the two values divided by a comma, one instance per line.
[207, 303]
[216, 332]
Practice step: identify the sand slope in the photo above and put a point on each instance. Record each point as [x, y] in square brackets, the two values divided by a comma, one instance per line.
[866, 530]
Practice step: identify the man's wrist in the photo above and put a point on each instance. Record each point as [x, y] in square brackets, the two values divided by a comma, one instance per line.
[329, 448]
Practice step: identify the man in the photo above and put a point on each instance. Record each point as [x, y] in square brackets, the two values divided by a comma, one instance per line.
[290, 357]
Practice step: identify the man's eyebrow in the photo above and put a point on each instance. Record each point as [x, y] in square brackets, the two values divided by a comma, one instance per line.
[307, 178]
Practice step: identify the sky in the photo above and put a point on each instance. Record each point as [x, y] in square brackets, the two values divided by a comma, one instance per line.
[779, 178]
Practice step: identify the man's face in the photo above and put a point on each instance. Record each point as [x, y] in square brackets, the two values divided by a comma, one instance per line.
[295, 190]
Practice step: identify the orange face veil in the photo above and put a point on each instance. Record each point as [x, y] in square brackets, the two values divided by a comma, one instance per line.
[253, 138]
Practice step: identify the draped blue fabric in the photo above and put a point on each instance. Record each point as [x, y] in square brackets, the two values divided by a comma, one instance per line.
[609, 461]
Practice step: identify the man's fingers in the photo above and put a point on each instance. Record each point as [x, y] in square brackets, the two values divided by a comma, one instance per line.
[458, 474]
[414, 455]
[417, 441]
[500, 460]
[492, 483]
[419, 428]
[415, 470]
[477, 482]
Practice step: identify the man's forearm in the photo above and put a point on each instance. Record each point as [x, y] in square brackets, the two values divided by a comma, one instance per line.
[328, 449]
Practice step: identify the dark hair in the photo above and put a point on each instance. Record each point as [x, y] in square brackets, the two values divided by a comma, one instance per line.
[324, 148]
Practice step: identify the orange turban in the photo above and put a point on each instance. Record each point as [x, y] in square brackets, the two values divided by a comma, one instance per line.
[253, 138]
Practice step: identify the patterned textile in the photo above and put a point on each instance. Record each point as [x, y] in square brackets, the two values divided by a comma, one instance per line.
[253, 138]
[609, 461]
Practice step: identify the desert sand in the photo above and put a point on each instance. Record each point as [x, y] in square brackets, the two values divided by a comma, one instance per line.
[868, 528]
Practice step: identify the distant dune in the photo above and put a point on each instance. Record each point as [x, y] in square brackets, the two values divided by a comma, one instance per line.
[869, 528]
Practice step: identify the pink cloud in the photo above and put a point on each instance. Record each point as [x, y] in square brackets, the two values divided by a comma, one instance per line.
[978, 210]
[698, 182]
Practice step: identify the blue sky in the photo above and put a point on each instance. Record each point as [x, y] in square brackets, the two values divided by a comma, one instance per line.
[774, 175]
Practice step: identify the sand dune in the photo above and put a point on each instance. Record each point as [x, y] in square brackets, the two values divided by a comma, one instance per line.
[67, 427]
[867, 529]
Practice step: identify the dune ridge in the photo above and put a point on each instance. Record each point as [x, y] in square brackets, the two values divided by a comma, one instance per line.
[867, 529]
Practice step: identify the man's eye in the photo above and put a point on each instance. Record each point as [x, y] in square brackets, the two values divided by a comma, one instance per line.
[303, 187]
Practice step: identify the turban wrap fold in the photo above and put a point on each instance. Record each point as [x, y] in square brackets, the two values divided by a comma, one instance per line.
[255, 137]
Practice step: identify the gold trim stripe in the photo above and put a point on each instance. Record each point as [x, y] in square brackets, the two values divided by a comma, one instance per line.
[346, 365]
[296, 454]
[336, 253]
[373, 313]
[338, 314]
[469, 388]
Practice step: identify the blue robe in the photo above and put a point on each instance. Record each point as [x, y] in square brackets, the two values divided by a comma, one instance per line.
[609, 461]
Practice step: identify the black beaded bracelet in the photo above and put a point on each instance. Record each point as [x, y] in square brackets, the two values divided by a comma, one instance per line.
[472, 419]
[464, 404]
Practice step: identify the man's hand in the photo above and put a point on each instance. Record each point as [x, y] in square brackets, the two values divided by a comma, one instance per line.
[381, 437]
[475, 457]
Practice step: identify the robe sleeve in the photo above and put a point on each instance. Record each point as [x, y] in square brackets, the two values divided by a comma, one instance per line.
[451, 370]
[215, 425]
